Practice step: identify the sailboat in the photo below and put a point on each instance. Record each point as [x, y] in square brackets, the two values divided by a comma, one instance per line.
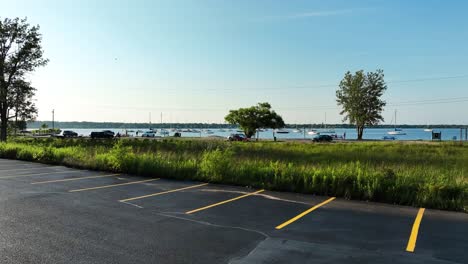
[208, 131]
[297, 130]
[325, 130]
[396, 131]
[281, 131]
[427, 129]
[163, 131]
[312, 131]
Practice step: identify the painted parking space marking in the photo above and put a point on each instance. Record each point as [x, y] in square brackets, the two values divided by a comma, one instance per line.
[25, 169]
[76, 179]
[415, 230]
[299, 216]
[112, 185]
[224, 202]
[34, 174]
[161, 193]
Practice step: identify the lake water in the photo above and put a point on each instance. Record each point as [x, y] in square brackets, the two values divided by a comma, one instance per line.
[371, 133]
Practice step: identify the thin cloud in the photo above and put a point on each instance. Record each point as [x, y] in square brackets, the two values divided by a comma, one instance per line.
[323, 13]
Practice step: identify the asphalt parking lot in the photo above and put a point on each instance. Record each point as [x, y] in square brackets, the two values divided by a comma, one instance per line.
[54, 214]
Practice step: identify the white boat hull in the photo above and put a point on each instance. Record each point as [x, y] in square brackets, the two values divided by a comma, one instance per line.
[396, 133]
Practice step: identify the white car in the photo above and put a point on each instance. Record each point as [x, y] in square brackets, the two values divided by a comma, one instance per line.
[149, 134]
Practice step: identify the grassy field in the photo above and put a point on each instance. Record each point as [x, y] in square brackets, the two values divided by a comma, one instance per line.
[431, 175]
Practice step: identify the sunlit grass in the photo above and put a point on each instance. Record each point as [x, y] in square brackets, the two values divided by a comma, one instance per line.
[425, 175]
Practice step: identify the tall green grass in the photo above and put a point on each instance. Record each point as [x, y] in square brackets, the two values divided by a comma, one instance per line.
[417, 174]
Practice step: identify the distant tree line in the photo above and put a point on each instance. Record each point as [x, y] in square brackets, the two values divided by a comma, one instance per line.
[96, 125]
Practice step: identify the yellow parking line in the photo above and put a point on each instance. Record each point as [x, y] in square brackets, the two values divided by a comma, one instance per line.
[299, 216]
[112, 185]
[76, 179]
[35, 174]
[414, 231]
[160, 193]
[223, 202]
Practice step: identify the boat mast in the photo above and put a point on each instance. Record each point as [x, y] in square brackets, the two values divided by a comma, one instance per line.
[325, 125]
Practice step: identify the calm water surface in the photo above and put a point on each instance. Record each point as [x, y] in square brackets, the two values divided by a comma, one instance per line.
[371, 133]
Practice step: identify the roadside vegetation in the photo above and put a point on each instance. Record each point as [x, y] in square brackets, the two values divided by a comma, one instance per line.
[431, 175]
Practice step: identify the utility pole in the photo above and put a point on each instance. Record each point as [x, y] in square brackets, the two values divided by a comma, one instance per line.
[53, 120]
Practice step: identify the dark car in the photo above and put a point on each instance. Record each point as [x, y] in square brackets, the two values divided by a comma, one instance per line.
[237, 137]
[323, 138]
[103, 134]
[69, 134]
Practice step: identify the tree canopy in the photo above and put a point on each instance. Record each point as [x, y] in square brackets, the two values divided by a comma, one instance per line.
[360, 97]
[22, 107]
[252, 118]
[20, 53]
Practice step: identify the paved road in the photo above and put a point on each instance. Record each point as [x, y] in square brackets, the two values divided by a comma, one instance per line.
[54, 214]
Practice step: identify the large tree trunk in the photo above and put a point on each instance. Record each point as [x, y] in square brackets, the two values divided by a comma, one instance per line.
[3, 108]
[360, 131]
[248, 133]
[16, 121]
[4, 124]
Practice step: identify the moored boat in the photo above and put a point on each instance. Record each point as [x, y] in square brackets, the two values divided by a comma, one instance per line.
[281, 131]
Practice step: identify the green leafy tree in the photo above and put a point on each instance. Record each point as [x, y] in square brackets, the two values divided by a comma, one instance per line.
[20, 53]
[20, 125]
[22, 107]
[360, 97]
[252, 118]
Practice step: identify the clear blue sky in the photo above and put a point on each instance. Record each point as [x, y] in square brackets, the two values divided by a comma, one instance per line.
[194, 60]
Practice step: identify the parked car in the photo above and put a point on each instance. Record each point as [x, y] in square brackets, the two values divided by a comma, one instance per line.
[69, 134]
[103, 134]
[323, 138]
[150, 133]
[237, 137]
